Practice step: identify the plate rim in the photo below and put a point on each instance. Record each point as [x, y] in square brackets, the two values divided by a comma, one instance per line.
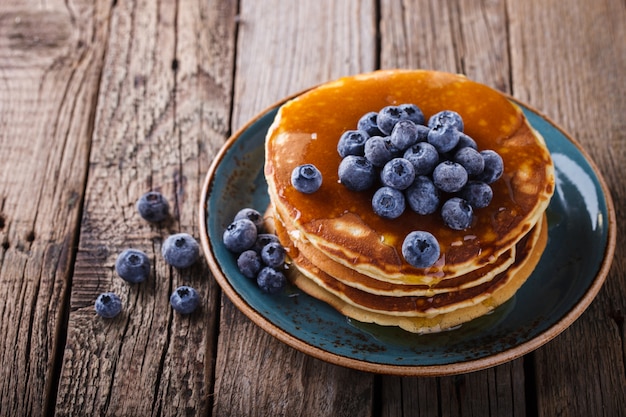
[408, 370]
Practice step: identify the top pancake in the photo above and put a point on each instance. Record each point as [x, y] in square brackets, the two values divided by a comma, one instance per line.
[341, 224]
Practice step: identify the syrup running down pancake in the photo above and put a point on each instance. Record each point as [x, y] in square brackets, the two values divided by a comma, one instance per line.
[348, 256]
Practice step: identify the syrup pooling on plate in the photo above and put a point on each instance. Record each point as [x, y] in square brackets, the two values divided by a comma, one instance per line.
[492, 121]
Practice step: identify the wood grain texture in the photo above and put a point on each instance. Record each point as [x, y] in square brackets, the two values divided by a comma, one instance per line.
[50, 61]
[581, 88]
[103, 100]
[278, 56]
[162, 112]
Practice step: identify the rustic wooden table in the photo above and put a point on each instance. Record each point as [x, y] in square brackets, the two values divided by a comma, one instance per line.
[102, 100]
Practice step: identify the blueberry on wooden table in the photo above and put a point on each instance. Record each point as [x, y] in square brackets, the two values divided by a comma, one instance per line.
[133, 266]
[108, 305]
[184, 299]
[180, 250]
[153, 207]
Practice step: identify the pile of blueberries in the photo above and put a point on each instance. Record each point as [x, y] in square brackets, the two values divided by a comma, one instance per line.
[260, 256]
[179, 250]
[418, 164]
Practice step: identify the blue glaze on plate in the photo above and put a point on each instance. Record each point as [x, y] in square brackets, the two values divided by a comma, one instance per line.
[579, 224]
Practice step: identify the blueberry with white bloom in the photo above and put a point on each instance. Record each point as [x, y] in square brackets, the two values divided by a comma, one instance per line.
[251, 214]
[153, 207]
[378, 151]
[449, 176]
[477, 193]
[367, 123]
[446, 118]
[457, 213]
[444, 138]
[240, 235]
[352, 142]
[471, 160]
[404, 134]
[421, 249]
[249, 263]
[273, 255]
[306, 178]
[184, 299]
[466, 141]
[356, 173]
[263, 239]
[388, 202]
[398, 173]
[423, 156]
[181, 250]
[133, 266]
[422, 196]
[494, 167]
[271, 281]
[413, 113]
[108, 305]
[388, 117]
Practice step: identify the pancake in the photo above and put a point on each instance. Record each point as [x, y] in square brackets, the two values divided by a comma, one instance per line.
[341, 224]
[300, 248]
[445, 320]
[411, 305]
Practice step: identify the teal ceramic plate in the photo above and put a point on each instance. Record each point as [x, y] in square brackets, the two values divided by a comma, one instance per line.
[572, 270]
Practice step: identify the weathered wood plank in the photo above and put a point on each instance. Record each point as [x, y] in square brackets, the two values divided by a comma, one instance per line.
[583, 371]
[284, 47]
[162, 113]
[50, 62]
[468, 37]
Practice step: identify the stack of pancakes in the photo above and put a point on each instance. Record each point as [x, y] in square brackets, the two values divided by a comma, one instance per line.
[341, 252]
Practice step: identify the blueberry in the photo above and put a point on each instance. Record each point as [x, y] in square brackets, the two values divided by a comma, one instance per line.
[477, 193]
[352, 142]
[263, 239]
[306, 178]
[422, 196]
[398, 173]
[444, 138]
[422, 133]
[249, 263]
[184, 299]
[356, 173]
[494, 167]
[457, 214]
[404, 134]
[466, 141]
[423, 156]
[133, 266]
[378, 151]
[413, 113]
[271, 281]
[446, 118]
[181, 250]
[153, 207]
[388, 202]
[240, 235]
[449, 176]
[273, 255]
[250, 214]
[367, 123]
[471, 160]
[420, 249]
[108, 305]
[388, 117]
